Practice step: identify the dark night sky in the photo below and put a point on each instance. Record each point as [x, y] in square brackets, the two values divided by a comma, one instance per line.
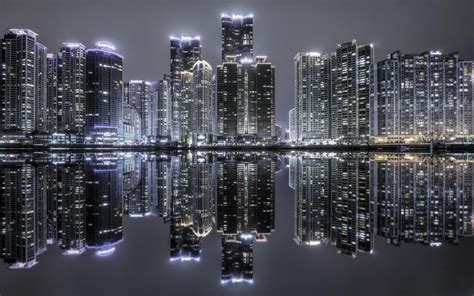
[140, 29]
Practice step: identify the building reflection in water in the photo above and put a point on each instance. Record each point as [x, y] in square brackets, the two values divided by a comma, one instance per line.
[345, 199]
[342, 200]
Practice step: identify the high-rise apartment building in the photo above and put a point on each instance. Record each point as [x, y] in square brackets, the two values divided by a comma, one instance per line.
[104, 88]
[66, 95]
[184, 53]
[422, 98]
[352, 89]
[202, 103]
[236, 37]
[138, 94]
[23, 83]
[333, 94]
[164, 109]
[465, 106]
[313, 97]
[245, 95]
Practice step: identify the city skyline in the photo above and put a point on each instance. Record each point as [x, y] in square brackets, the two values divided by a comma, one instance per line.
[413, 41]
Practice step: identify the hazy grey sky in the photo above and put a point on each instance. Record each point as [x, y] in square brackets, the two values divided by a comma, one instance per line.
[140, 28]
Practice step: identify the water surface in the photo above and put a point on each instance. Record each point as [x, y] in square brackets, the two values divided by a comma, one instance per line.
[224, 223]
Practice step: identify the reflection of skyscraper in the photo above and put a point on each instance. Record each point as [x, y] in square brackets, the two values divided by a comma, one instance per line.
[67, 190]
[18, 214]
[237, 259]
[104, 205]
[333, 202]
[104, 85]
[163, 201]
[425, 200]
[352, 222]
[137, 175]
[245, 208]
[191, 206]
[312, 198]
[245, 194]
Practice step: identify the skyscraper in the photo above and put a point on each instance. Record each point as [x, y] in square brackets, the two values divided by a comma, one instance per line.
[66, 95]
[163, 110]
[419, 98]
[352, 88]
[187, 107]
[72, 93]
[23, 84]
[313, 96]
[41, 95]
[236, 37]
[293, 125]
[184, 52]
[245, 95]
[201, 100]
[52, 92]
[104, 85]
[466, 99]
[138, 94]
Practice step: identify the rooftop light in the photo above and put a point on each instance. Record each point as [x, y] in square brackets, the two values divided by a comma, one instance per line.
[105, 45]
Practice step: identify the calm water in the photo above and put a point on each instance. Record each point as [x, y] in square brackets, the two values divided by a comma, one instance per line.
[232, 223]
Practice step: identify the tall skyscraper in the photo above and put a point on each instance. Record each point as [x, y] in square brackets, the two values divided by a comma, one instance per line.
[23, 83]
[352, 88]
[245, 97]
[52, 91]
[164, 109]
[313, 97]
[104, 87]
[187, 107]
[236, 37]
[201, 100]
[184, 52]
[66, 95]
[293, 125]
[72, 89]
[419, 98]
[41, 95]
[466, 99]
[138, 94]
